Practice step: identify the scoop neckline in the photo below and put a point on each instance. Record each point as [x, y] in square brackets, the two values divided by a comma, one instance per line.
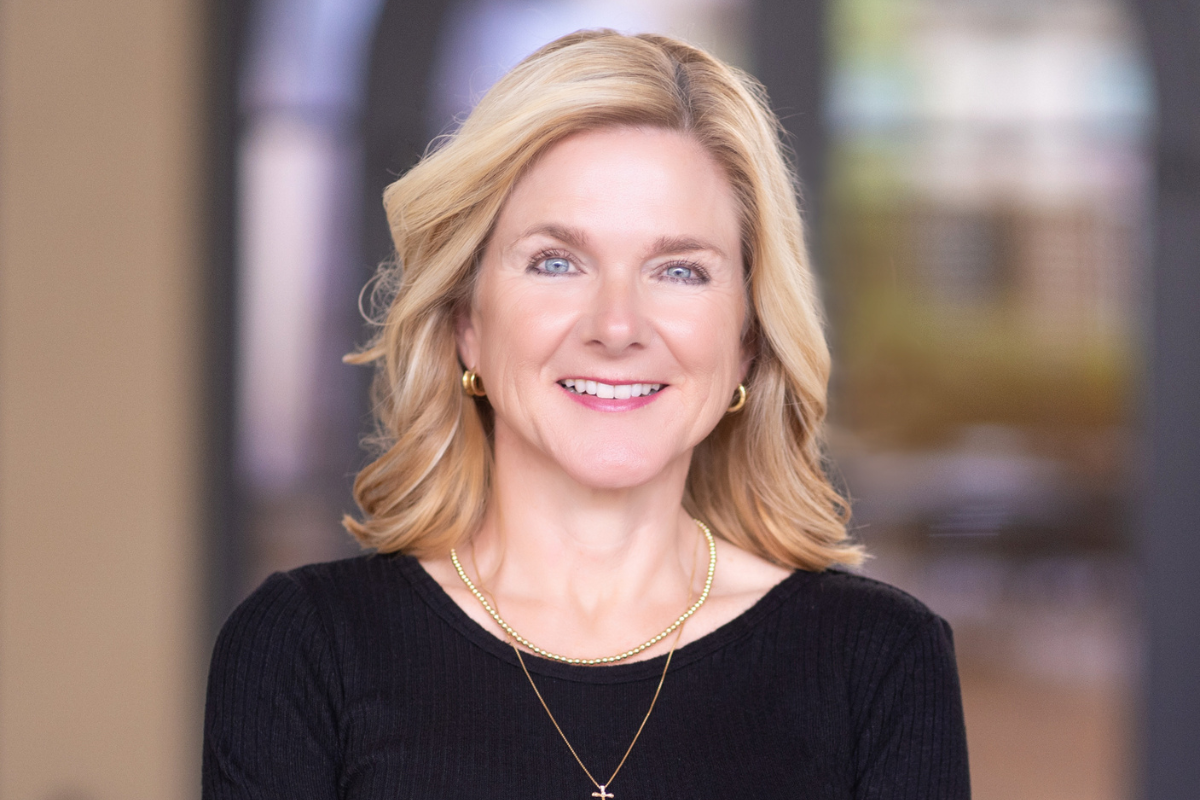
[740, 626]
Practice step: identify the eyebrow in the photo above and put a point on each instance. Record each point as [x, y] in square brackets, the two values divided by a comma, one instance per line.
[683, 244]
[567, 235]
[663, 245]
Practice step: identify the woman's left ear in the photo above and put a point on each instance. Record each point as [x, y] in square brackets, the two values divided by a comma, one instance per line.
[465, 337]
[749, 348]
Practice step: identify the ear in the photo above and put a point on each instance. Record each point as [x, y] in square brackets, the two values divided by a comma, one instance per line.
[466, 337]
[749, 350]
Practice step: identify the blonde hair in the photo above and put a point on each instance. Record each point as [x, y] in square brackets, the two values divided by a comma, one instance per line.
[758, 478]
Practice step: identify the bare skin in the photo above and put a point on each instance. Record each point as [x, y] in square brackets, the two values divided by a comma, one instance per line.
[616, 259]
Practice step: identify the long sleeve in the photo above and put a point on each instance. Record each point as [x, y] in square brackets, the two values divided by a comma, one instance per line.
[271, 717]
[912, 739]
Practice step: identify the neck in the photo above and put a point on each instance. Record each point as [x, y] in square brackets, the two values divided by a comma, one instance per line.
[597, 555]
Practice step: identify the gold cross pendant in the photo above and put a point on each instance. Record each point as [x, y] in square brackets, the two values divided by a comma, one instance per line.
[602, 794]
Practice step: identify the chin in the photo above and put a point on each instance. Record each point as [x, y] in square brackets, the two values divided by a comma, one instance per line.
[615, 467]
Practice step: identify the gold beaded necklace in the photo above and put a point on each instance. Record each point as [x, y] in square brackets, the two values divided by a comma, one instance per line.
[712, 568]
[602, 788]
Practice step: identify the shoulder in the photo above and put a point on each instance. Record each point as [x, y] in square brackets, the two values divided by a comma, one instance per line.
[304, 633]
[312, 606]
[868, 626]
[892, 660]
[862, 598]
[363, 574]
[316, 585]
[277, 684]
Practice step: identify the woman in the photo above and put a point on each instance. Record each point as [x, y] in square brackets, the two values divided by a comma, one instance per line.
[602, 530]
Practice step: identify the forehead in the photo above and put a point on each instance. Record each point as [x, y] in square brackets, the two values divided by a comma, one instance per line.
[628, 183]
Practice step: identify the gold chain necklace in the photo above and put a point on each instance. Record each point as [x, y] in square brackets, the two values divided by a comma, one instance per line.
[712, 568]
[602, 788]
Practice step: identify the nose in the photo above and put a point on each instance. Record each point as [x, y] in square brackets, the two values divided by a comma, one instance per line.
[616, 320]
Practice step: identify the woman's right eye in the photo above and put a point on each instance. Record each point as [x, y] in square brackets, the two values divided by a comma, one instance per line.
[555, 265]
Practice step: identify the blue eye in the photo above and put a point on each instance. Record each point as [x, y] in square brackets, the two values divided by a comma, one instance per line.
[684, 272]
[556, 266]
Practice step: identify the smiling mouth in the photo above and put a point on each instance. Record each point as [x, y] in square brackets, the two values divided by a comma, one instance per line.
[620, 391]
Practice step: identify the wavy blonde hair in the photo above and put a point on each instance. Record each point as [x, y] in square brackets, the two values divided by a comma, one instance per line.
[758, 478]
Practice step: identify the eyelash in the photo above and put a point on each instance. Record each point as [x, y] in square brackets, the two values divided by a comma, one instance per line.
[700, 275]
[535, 263]
[698, 278]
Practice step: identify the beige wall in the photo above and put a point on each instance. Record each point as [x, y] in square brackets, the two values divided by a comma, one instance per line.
[100, 677]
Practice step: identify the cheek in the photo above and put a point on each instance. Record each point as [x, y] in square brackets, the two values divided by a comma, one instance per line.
[706, 335]
[520, 326]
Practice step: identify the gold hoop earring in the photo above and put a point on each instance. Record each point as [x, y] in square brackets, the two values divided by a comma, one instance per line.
[472, 385]
[739, 402]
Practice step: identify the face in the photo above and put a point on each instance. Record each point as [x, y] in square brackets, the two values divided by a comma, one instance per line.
[608, 315]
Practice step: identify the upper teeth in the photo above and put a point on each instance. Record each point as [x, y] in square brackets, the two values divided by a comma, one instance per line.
[621, 391]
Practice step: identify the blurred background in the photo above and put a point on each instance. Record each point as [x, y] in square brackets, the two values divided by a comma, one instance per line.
[1004, 207]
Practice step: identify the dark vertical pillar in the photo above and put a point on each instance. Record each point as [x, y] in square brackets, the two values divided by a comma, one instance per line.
[396, 124]
[395, 127]
[1170, 535]
[789, 43]
[225, 29]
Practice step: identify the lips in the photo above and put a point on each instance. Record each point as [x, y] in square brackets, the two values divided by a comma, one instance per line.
[618, 391]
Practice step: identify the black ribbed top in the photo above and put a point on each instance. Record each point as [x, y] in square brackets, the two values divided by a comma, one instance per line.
[362, 679]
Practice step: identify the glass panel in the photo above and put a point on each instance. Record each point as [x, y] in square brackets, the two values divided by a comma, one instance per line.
[298, 407]
[987, 193]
